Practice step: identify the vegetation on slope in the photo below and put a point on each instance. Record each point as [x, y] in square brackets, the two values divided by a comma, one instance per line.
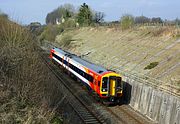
[127, 21]
[151, 65]
[146, 51]
[66, 17]
[25, 89]
[139, 33]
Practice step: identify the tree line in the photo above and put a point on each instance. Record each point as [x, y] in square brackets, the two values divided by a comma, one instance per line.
[85, 16]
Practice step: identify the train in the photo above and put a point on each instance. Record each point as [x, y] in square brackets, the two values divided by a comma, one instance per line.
[105, 84]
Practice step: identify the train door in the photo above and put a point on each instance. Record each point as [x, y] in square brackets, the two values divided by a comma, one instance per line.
[63, 59]
[112, 86]
[67, 65]
[95, 86]
[65, 62]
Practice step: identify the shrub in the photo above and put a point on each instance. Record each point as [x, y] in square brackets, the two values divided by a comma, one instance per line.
[70, 23]
[24, 77]
[151, 65]
[159, 31]
[56, 120]
[50, 32]
[12, 34]
[19, 62]
[127, 21]
[66, 40]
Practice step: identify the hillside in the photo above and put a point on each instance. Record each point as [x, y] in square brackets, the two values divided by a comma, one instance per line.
[151, 53]
[28, 91]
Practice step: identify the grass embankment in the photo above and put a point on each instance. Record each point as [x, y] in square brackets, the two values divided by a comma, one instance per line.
[27, 94]
[151, 52]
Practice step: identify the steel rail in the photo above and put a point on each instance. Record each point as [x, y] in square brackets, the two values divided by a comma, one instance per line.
[85, 113]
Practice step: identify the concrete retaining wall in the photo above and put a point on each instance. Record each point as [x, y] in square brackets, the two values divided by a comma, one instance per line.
[158, 105]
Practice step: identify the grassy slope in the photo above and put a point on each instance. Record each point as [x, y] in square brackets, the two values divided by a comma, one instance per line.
[132, 50]
[28, 93]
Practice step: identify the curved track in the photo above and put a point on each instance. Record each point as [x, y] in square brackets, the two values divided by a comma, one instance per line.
[91, 111]
[127, 115]
[83, 111]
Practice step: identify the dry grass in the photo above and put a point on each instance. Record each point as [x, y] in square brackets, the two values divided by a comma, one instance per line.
[158, 31]
[130, 51]
[25, 89]
[66, 40]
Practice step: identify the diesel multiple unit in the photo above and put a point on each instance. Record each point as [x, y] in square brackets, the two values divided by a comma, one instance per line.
[106, 84]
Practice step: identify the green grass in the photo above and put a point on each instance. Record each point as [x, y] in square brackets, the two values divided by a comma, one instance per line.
[177, 36]
[151, 65]
[56, 120]
[66, 40]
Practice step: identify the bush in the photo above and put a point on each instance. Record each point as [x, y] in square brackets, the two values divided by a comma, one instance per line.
[50, 33]
[127, 21]
[24, 77]
[19, 63]
[70, 23]
[151, 65]
[66, 40]
[12, 34]
[56, 120]
[159, 31]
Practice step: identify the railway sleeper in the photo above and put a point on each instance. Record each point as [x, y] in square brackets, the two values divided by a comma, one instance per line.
[91, 120]
[86, 115]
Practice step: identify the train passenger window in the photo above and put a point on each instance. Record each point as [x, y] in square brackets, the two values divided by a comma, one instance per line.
[87, 77]
[78, 70]
[70, 65]
[83, 74]
[60, 59]
[99, 83]
[65, 62]
[57, 57]
[75, 69]
[90, 78]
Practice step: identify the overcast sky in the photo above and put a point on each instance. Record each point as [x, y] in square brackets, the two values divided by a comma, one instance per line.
[26, 11]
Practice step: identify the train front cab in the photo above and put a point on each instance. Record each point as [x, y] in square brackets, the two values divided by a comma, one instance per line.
[111, 88]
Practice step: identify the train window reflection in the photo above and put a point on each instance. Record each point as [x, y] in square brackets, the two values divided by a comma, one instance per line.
[104, 82]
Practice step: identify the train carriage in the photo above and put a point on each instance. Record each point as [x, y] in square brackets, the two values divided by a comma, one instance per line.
[106, 84]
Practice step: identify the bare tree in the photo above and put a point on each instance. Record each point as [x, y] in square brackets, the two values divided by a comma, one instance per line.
[99, 17]
[142, 20]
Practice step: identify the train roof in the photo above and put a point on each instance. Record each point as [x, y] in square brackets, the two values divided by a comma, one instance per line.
[90, 65]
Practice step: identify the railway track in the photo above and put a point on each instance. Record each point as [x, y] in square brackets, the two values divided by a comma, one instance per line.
[126, 115]
[85, 113]
[86, 108]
